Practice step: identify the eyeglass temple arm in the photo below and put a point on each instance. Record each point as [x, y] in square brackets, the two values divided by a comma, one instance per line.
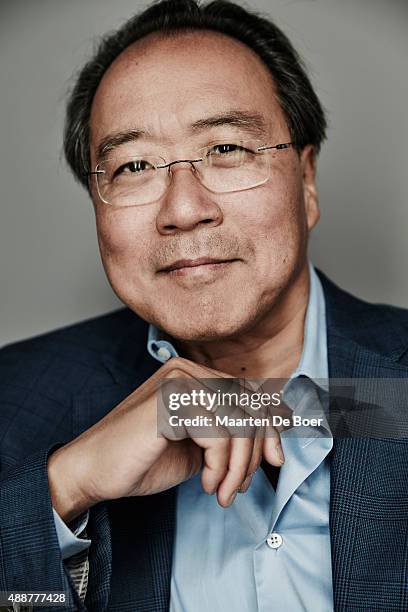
[284, 145]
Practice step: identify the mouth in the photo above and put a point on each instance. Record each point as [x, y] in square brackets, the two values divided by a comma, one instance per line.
[192, 266]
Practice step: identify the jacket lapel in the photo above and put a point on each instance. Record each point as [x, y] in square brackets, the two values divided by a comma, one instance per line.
[356, 504]
[349, 460]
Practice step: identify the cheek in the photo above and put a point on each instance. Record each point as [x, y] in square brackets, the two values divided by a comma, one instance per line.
[122, 236]
[124, 247]
[276, 223]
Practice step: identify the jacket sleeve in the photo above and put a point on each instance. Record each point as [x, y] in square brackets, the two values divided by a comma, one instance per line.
[30, 554]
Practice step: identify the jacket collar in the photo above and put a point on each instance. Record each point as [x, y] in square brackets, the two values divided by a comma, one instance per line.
[361, 326]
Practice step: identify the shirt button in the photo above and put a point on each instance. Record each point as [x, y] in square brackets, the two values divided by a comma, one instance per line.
[164, 353]
[274, 540]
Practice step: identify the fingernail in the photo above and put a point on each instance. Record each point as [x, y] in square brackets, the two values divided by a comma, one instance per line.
[280, 453]
[231, 498]
[245, 485]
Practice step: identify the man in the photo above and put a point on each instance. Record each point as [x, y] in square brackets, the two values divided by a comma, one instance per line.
[196, 132]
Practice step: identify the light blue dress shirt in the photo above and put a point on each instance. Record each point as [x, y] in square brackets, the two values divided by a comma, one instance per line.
[269, 550]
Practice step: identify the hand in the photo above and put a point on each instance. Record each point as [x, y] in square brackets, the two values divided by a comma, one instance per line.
[123, 456]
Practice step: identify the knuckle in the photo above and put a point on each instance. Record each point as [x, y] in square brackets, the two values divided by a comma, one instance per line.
[174, 372]
[176, 364]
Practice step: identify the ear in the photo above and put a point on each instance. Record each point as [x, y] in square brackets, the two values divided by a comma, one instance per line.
[308, 169]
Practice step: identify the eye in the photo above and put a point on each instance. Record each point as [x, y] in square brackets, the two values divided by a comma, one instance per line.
[228, 155]
[224, 149]
[135, 166]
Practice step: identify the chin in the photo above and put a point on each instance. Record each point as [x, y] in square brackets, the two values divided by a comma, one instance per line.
[200, 335]
[206, 329]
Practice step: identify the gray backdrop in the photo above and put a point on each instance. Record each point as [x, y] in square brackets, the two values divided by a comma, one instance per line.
[50, 270]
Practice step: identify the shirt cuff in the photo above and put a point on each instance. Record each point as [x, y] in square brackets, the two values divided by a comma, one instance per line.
[69, 543]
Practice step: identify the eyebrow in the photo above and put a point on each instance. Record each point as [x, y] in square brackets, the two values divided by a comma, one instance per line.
[251, 123]
[112, 141]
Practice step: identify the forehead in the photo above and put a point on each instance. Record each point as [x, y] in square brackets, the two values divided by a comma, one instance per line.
[164, 84]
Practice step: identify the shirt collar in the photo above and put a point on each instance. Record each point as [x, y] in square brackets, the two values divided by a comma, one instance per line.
[313, 361]
[159, 344]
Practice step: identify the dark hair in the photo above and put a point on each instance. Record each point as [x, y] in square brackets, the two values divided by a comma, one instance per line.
[300, 104]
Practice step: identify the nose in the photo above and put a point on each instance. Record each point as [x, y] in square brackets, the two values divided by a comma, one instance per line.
[186, 204]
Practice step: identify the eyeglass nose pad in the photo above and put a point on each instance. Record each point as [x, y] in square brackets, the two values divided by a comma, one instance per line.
[183, 161]
[192, 168]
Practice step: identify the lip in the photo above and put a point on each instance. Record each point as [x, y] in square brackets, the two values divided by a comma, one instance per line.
[182, 264]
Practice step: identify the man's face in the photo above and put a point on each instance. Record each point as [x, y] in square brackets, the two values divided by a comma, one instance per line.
[163, 86]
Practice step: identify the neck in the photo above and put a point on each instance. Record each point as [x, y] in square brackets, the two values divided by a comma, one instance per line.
[271, 349]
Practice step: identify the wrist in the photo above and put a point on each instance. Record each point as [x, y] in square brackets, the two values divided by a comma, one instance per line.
[68, 495]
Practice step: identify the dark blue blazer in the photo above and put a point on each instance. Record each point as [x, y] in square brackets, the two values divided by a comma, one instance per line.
[57, 385]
